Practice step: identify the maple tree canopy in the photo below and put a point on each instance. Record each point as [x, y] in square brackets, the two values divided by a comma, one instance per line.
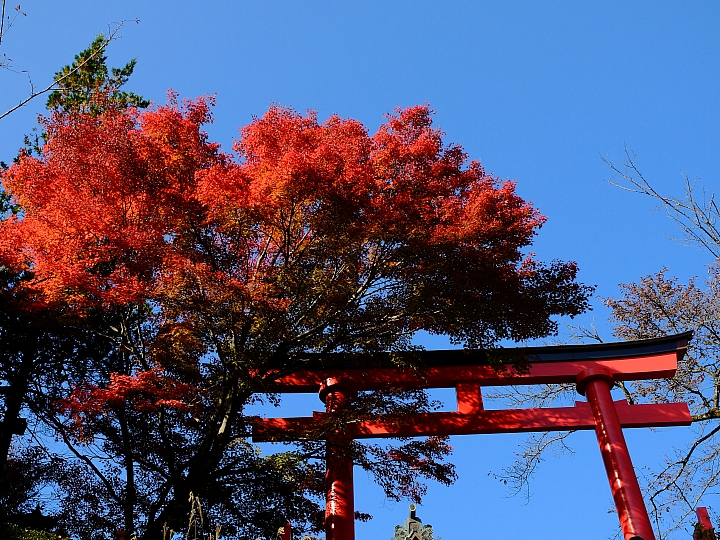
[316, 236]
[223, 271]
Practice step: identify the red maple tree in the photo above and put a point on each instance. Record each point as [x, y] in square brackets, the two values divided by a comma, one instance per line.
[225, 271]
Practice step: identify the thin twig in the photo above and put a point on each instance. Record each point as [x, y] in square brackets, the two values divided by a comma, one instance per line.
[2, 21]
[53, 85]
[697, 219]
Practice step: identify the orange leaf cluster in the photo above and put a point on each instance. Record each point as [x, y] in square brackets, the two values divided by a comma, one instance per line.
[146, 391]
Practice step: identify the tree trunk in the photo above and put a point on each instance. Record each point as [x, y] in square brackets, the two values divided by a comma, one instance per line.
[130, 488]
[15, 395]
[201, 467]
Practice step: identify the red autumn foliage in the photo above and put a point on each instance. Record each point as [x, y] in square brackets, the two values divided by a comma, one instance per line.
[146, 391]
[98, 203]
[225, 271]
[127, 206]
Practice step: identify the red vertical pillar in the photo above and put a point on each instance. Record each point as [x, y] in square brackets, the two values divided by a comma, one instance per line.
[287, 532]
[704, 524]
[340, 496]
[596, 384]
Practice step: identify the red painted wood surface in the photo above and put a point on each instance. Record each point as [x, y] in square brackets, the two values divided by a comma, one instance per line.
[593, 368]
[339, 490]
[633, 516]
[579, 417]
[469, 398]
[704, 521]
[631, 369]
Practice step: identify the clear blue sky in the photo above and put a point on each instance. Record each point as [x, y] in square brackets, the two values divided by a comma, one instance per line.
[537, 90]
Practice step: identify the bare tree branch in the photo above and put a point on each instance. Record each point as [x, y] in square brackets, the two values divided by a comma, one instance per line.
[655, 306]
[5, 61]
[112, 35]
[698, 219]
[2, 21]
[517, 477]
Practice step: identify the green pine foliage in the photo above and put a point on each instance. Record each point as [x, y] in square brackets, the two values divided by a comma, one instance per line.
[80, 83]
[88, 86]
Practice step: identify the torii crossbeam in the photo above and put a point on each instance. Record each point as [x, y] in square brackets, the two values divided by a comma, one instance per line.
[594, 369]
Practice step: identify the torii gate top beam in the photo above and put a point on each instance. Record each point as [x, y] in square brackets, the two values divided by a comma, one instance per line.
[593, 368]
[627, 361]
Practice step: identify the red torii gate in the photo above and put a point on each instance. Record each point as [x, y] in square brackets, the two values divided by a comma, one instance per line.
[594, 369]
